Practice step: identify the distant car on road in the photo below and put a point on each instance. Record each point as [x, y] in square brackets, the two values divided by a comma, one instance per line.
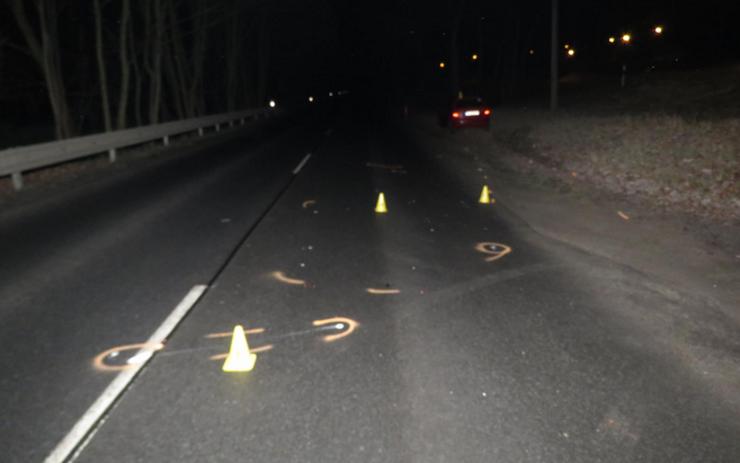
[469, 112]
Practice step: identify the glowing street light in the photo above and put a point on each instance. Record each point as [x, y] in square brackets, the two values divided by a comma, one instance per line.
[531, 51]
[272, 103]
[474, 57]
[310, 99]
[571, 53]
[626, 38]
[658, 30]
[612, 40]
[566, 46]
[442, 64]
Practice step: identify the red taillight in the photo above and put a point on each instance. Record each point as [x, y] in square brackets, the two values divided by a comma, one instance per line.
[486, 112]
[455, 115]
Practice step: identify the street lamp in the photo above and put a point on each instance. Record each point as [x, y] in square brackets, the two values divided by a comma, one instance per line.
[474, 57]
[442, 64]
[658, 30]
[571, 53]
[612, 40]
[626, 38]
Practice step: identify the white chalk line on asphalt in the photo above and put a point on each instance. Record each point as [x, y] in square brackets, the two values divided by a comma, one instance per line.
[114, 390]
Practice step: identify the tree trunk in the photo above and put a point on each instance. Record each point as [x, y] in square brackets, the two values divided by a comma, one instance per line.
[176, 68]
[103, 79]
[263, 57]
[155, 66]
[174, 85]
[125, 64]
[137, 77]
[196, 97]
[45, 51]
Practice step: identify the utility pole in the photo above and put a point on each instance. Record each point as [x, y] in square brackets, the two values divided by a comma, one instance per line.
[554, 55]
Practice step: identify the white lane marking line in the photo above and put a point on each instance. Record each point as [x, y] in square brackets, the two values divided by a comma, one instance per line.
[301, 164]
[93, 414]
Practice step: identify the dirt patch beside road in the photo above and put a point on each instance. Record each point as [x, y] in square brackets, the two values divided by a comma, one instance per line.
[685, 247]
[673, 164]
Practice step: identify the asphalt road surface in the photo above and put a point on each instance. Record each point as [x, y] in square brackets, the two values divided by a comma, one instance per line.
[462, 351]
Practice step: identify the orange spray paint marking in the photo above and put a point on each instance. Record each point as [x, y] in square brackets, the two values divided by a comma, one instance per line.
[280, 276]
[383, 291]
[341, 322]
[99, 360]
[227, 334]
[494, 250]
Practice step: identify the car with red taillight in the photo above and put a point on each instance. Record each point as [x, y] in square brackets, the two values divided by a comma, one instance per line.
[469, 112]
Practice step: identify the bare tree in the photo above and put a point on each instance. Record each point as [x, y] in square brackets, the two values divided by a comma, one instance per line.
[175, 65]
[43, 45]
[185, 58]
[196, 93]
[123, 44]
[263, 55]
[155, 39]
[150, 58]
[102, 75]
[138, 80]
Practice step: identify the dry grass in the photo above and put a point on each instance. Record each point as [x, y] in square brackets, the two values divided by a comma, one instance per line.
[671, 138]
[691, 165]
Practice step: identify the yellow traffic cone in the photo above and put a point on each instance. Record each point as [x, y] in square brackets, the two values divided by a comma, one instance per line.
[380, 207]
[485, 195]
[239, 358]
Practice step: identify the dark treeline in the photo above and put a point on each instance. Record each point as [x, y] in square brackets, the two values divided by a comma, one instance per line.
[112, 64]
[107, 64]
[402, 51]
[512, 42]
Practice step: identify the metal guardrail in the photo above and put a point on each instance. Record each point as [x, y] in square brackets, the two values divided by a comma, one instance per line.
[15, 161]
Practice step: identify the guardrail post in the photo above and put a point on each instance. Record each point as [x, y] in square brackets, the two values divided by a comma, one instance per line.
[112, 155]
[200, 131]
[166, 140]
[218, 127]
[17, 180]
